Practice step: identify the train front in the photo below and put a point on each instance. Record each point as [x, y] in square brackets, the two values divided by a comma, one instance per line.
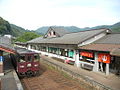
[28, 64]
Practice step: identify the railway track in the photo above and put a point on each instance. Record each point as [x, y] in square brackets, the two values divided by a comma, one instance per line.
[50, 80]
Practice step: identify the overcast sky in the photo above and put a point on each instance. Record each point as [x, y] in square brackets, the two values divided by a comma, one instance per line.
[32, 14]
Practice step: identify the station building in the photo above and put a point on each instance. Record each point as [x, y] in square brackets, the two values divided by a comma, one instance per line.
[91, 49]
[5, 47]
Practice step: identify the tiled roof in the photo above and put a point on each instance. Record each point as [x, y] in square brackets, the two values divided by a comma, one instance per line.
[59, 30]
[72, 38]
[7, 48]
[5, 40]
[36, 40]
[5, 44]
[101, 47]
[109, 39]
[115, 52]
[106, 43]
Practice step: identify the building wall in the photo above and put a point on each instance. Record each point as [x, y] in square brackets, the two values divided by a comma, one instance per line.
[76, 58]
[65, 54]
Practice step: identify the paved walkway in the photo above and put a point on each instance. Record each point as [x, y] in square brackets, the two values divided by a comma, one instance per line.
[111, 81]
[10, 80]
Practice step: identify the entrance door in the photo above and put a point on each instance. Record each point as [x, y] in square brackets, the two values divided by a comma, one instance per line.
[115, 65]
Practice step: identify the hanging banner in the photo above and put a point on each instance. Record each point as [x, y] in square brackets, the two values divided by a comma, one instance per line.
[103, 57]
[87, 54]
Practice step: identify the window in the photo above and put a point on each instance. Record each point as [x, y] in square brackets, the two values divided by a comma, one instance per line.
[64, 52]
[29, 58]
[22, 58]
[71, 53]
[53, 33]
[36, 57]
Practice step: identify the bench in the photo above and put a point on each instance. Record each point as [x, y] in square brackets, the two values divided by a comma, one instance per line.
[87, 67]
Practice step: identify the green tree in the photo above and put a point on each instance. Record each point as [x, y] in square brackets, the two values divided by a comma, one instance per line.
[27, 36]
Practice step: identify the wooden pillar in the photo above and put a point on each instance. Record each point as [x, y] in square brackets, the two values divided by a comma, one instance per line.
[96, 64]
[76, 57]
[107, 69]
[58, 51]
[47, 49]
[29, 46]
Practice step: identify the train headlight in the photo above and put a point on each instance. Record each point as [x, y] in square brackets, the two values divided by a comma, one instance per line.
[36, 65]
[22, 66]
[29, 65]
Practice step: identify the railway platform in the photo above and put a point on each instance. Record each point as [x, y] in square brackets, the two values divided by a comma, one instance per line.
[111, 82]
[10, 80]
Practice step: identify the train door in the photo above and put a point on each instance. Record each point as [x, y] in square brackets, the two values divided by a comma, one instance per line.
[115, 65]
[29, 61]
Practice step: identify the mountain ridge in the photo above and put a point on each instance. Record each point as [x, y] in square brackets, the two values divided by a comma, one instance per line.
[12, 29]
[115, 28]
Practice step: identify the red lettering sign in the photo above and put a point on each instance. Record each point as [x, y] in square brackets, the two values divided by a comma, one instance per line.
[103, 57]
[87, 54]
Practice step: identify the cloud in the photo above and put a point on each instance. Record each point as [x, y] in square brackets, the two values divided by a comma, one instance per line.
[31, 14]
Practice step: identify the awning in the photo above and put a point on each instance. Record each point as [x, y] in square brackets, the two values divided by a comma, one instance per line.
[7, 48]
[115, 52]
[100, 47]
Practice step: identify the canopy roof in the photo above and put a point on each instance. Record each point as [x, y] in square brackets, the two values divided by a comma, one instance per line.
[7, 48]
[115, 52]
[108, 43]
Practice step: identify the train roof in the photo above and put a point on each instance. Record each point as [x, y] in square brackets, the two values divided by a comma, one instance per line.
[24, 51]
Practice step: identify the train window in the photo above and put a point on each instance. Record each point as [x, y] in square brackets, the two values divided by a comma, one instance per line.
[29, 58]
[22, 58]
[36, 57]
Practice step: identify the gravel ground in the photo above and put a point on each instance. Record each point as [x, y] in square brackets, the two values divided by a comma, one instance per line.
[50, 79]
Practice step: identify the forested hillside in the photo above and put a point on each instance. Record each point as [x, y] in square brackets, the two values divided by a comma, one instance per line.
[21, 34]
[17, 31]
[116, 27]
[7, 28]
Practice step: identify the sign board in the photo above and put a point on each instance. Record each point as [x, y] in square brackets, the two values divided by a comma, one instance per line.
[103, 57]
[1, 58]
[87, 54]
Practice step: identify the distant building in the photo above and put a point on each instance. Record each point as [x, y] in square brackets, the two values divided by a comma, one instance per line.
[6, 39]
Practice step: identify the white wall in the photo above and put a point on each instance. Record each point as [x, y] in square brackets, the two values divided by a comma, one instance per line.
[53, 55]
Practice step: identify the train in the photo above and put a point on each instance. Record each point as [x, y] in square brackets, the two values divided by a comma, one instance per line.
[26, 62]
